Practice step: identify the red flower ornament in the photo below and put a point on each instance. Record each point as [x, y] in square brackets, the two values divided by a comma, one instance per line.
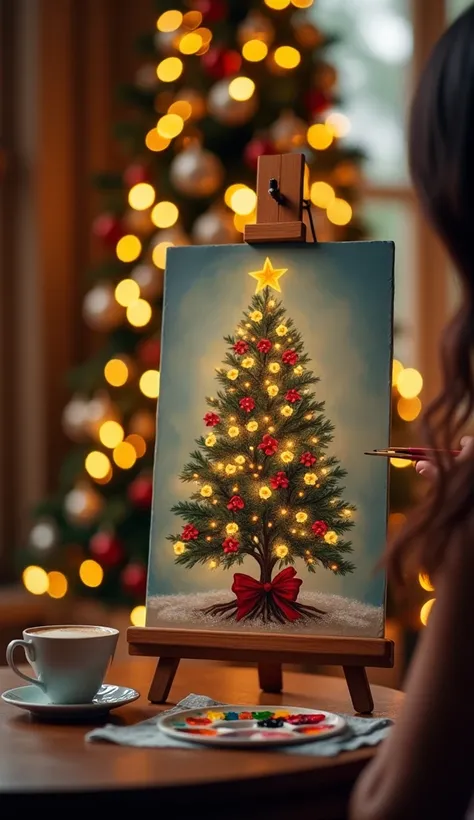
[264, 346]
[190, 533]
[241, 347]
[247, 404]
[236, 503]
[280, 480]
[319, 528]
[230, 545]
[308, 459]
[292, 396]
[269, 445]
[290, 357]
[211, 419]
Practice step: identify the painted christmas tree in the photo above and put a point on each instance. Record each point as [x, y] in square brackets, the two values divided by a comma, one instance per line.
[267, 488]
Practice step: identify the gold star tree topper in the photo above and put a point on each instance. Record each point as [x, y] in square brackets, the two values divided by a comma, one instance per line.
[268, 276]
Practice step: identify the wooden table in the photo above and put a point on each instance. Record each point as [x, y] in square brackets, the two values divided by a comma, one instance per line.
[51, 767]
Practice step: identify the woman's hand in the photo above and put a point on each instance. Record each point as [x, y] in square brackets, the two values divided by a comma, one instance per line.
[428, 469]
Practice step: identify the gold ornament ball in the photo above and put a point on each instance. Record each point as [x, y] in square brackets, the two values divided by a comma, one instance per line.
[215, 227]
[75, 418]
[44, 535]
[139, 222]
[150, 281]
[100, 409]
[288, 132]
[146, 78]
[196, 173]
[255, 27]
[100, 309]
[143, 423]
[225, 109]
[82, 505]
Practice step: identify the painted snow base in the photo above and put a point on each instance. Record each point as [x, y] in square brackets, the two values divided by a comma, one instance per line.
[344, 616]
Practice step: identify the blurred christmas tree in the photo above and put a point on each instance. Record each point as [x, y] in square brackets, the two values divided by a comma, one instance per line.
[222, 82]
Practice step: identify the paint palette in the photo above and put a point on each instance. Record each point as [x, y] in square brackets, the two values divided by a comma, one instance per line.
[251, 726]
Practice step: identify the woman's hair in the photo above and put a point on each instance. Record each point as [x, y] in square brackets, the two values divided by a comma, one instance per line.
[441, 150]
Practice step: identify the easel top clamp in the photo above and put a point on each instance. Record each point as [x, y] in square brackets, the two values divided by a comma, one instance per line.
[280, 201]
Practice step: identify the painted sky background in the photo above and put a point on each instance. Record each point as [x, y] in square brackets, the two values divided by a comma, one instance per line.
[340, 297]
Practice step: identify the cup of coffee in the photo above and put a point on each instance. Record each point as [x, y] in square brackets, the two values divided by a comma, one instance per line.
[70, 662]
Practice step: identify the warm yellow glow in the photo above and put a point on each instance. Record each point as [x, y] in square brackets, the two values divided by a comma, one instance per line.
[241, 220]
[400, 463]
[243, 201]
[155, 142]
[339, 212]
[425, 582]
[182, 108]
[319, 136]
[127, 291]
[254, 50]
[138, 443]
[159, 253]
[192, 19]
[91, 573]
[35, 580]
[139, 313]
[409, 409]
[125, 455]
[169, 20]
[128, 248]
[409, 383]
[339, 124]
[150, 384]
[241, 88]
[97, 464]
[141, 196]
[116, 372]
[397, 368]
[425, 611]
[138, 615]
[111, 433]
[164, 214]
[212, 564]
[170, 125]
[169, 70]
[302, 4]
[322, 194]
[230, 191]
[287, 57]
[57, 584]
[281, 551]
[277, 5]
[190, 43]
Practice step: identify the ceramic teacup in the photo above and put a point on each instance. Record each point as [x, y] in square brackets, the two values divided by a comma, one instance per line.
[70, 661]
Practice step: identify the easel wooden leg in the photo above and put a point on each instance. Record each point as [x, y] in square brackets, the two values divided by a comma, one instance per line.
[359, 689]
[163, 678]
[270, 677]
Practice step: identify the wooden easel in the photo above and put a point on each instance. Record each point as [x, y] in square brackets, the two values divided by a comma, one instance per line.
[280, 204]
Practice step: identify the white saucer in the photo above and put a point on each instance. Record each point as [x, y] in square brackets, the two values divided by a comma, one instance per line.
[34, 700]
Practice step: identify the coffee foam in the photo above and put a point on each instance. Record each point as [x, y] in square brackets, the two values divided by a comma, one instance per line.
[71, 631]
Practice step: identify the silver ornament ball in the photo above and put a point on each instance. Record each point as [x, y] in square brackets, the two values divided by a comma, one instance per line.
[196, 172]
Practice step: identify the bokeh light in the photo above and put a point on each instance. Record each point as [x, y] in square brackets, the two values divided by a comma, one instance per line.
[287, 57]
[91, 573]
[321, 194]
[319, 136]
[155, 142]
[57, 584]
[339, 212]
[169, 70]
[111, 433]
[138, 615]
[128, 248]
[169, 20]
[277, 5]
[409, 383]
[241, 88]
[409, 409]
[125, 455]
[97, 464]
[139, 313]
[397, 368]
[127, 291]
[243, 201]
[159, 253]
[116, 372]
[141, 196]
[164, 214]
[170, 125]
[138, 443]
[35, 580]
[182, 108]
[150, 384]
[254, 50]
[190, 43]
[425, 611]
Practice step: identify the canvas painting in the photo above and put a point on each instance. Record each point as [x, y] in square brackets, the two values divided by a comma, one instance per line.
[275, 378]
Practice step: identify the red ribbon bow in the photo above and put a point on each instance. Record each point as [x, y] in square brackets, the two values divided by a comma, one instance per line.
[284, 590]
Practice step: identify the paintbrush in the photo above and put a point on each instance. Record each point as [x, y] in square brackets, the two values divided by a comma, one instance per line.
[410, 453]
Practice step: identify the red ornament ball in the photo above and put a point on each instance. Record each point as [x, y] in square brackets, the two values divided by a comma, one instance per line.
[220, 62]
[133, 579]
[213, 11]
[257, 148]
[108, 228]
[135, 174]
[149, 353]
[106, 549]
[319, 528]
[140, 492]
[318, 102]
